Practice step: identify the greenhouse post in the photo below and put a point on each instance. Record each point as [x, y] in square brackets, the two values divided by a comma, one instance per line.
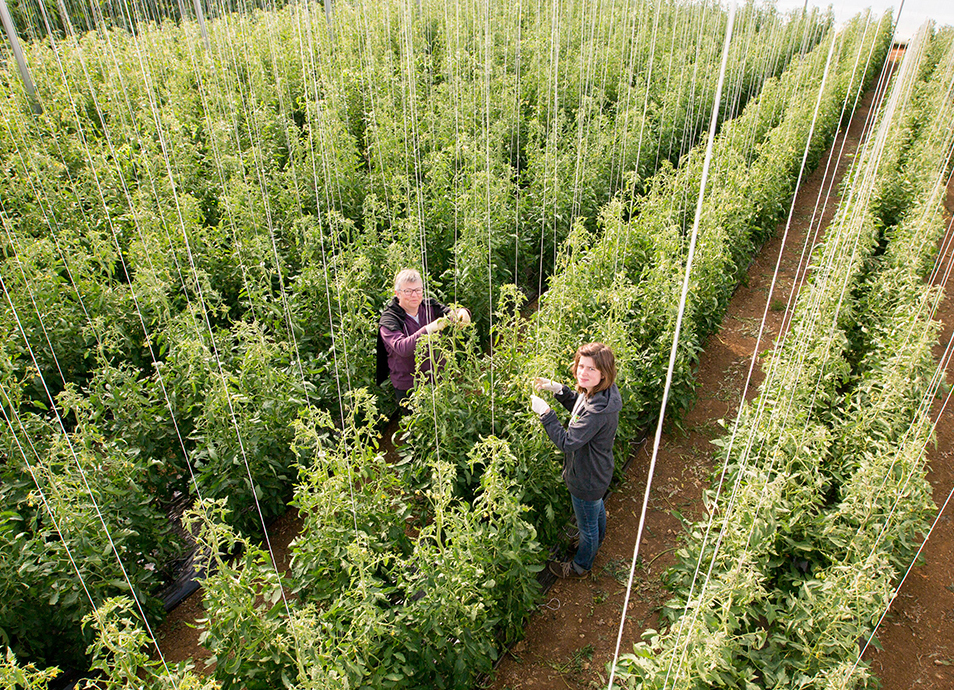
[11, 31]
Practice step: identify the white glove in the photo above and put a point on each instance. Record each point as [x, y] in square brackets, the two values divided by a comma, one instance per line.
[538, 405]
[547, 385]
[462, 316]
[437, 325]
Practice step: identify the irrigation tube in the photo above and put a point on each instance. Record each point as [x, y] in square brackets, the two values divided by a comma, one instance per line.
[675, 339]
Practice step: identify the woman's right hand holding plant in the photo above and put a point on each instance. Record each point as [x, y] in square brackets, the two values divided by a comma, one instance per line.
[541, 384]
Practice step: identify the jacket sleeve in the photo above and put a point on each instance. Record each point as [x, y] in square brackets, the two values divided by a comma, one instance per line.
[576, 435]
[442, 308]
[567, 397]
[402, 345]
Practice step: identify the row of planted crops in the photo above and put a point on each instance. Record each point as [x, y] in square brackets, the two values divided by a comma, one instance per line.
[198, 239]
[824, 498]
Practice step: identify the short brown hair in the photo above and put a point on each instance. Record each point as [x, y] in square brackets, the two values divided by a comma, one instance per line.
[605, 362]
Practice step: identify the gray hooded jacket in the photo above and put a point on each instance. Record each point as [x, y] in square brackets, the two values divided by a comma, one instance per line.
[587, 442]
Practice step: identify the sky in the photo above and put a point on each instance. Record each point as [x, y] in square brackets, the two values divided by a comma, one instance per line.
[913, 12]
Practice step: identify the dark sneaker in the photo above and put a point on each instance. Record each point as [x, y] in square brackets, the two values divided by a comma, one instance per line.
[566, 570]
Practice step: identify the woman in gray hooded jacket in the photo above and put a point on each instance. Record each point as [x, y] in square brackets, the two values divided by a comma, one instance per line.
[587, 445]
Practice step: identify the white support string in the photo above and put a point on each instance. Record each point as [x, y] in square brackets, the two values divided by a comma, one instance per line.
[36, 482]
[263, 188]
[424, 249]
[926, 220]
[43, 380]
[337, 343]
[624, 139]
[214, 348]
[225, 389]
[914, 559]
[488, 61]
[945, 250]
[752, 363]
[368, 63]
[846, 102]
[413, 133]
[52, 350]
[335, 338]
[675, 342]
[49, 216]
[148, 338]
[737, 484]
[79, 466]
[518, 119]
[925, 404]
[814, 307]
[454, 79]
[583, 119]
[910, 336]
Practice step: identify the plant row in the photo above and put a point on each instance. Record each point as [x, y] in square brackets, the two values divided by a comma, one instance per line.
[413, 575]
[822, 497]
[387, 588]
[481, 399]
[196, 243]
[621, 285]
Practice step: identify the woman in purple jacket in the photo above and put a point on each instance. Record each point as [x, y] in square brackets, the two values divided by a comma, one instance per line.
[587, 445]
[407, 317]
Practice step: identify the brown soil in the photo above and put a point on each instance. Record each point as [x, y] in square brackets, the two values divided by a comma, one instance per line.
[572, 637]
[178, 636]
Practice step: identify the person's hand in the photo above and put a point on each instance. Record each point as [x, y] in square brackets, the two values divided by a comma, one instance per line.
[541, 384]
[462, 316]
[538, 405]
[438, 325]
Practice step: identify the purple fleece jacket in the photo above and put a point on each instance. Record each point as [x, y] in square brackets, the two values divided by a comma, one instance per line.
[398, 333]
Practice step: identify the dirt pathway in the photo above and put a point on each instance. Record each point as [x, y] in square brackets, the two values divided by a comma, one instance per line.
[572, 638]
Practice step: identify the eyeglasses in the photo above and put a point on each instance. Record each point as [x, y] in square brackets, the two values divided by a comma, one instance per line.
[411, 292]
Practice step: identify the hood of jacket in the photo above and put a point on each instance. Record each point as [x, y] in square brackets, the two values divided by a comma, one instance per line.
[394, 316]
[606, 401]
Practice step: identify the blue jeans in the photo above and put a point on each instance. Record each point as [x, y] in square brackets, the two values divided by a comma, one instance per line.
[591, 519]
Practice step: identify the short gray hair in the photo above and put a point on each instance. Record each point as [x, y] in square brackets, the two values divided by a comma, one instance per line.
[408, 275]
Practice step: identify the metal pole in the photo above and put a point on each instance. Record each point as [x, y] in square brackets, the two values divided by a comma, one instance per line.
[11, 30]
[200, 17]
[65, 18]
[329, 17]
